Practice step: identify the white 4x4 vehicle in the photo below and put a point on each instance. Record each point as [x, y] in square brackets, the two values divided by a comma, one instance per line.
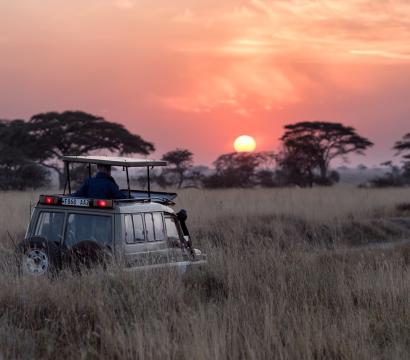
[141, 232]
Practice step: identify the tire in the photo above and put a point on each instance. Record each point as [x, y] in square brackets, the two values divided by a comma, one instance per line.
[36, 256]
[89, 254]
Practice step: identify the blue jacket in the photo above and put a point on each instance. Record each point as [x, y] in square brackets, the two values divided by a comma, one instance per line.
[101, 186]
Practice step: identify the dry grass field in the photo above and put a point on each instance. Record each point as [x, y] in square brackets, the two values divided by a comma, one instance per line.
[292, 274]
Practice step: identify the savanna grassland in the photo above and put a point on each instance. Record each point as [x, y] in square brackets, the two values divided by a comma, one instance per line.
[292, 274]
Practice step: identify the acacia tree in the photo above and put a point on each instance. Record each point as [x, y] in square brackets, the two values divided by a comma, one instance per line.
[315, 144]
[181, 160]
[78, 133]
[296, 166]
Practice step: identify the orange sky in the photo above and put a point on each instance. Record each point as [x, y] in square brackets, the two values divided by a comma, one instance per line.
[196, 74]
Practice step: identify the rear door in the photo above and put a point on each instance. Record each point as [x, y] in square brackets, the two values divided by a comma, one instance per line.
[81, 226]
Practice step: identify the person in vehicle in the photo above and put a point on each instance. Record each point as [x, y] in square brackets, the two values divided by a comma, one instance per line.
[101, 186]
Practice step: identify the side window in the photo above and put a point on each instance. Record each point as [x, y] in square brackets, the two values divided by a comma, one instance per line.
[50, 226]
[158, 226]
[138, 228]
[129, 229]
[149, 227]
[172, 230]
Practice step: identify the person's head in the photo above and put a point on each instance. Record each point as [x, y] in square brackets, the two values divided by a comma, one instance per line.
[106, 169]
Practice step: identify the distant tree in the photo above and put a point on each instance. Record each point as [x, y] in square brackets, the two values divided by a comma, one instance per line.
[403, 148]
[78, 133]
[18, 170]
[406, 171]
[236, 170]
[156, 177]
[180, 161]
[310, 147]
[397, 176]
[22, 176]
[266, 178]
[196, 175]
[333, 177]
[393, 177]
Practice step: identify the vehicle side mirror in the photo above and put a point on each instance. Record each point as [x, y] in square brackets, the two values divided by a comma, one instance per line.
[182, 215]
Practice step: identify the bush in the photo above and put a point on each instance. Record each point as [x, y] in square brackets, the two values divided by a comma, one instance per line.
[23, 176]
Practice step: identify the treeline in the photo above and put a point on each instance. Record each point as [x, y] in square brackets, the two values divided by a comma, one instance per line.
[31, 149]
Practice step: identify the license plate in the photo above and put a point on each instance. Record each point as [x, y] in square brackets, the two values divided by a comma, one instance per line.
[75, 202]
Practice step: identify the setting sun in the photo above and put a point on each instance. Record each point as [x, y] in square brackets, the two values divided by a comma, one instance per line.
[244, 143]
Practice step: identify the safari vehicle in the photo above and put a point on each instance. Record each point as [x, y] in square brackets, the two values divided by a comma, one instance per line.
[140, 232]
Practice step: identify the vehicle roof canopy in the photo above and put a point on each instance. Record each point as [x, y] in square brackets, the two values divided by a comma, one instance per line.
[114, 161]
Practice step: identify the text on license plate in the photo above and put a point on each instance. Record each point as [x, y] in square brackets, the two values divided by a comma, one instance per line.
[75, 202]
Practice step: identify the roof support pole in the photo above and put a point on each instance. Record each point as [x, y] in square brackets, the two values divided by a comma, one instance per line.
[89, 169]
[149, 183]
[67, 167]
[128, 182]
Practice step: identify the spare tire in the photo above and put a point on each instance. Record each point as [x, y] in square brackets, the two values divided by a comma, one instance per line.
[88, 254]
[36, 256]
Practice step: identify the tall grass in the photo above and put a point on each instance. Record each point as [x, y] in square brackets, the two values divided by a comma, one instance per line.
[286, 279]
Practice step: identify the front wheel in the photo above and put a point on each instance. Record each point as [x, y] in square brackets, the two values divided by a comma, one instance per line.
[37, 256]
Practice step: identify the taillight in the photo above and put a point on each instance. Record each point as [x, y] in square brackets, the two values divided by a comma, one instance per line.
[48, 200]
[102, 203]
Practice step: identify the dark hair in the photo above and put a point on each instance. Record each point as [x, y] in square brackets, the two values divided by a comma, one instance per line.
[104, 168]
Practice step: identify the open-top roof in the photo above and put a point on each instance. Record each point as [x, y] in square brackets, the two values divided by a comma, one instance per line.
[114, 161]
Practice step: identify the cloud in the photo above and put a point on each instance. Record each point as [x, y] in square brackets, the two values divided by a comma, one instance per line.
[276, 26]
[266, 46]
[381, 53]
[241, 86]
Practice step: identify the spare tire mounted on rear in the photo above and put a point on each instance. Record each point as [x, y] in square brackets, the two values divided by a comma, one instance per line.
[37, 256]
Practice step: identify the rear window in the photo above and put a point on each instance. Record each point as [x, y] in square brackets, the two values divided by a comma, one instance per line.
[138, 228]
[149, 227]
[129, 229]
[50, 226]
[158, 226]
[154, 226]
[134, 228]
[82, 227]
